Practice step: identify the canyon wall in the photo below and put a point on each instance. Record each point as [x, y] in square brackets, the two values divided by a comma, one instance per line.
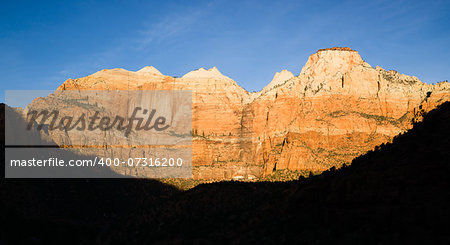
[337, 108]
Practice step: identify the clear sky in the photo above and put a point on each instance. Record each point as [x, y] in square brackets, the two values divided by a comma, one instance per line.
[43, 43]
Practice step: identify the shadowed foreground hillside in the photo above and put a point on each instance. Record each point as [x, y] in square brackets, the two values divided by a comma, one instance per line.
[68, 211]
[395, 194]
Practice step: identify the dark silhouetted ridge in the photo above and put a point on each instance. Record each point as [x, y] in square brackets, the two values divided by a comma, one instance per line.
[396, 194]
[68, 211]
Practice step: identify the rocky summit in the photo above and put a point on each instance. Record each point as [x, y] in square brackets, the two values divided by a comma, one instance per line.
[336, 109]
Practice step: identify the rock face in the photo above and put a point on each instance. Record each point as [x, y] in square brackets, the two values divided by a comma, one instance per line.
[150, 70]
[278, 79]
[337, 108]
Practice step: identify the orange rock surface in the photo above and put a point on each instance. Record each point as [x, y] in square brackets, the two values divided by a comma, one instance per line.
[337, 108]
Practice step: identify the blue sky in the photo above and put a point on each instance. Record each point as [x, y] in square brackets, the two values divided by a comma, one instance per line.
[43, 43]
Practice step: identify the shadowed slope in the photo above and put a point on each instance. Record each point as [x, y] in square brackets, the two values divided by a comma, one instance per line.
[396, 194]
[68, 211]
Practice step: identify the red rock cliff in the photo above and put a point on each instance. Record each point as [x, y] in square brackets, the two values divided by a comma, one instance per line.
[337, 108]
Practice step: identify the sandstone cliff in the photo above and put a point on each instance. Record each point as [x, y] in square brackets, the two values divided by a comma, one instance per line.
[337, 108]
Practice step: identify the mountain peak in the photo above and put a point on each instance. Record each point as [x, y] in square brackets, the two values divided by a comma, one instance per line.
[203, 73]
[279, 78]
[282, 76]
[332, 61]
[151, 70]
[337, 49]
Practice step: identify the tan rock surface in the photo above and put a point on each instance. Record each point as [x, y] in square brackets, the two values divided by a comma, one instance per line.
[337, 108]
